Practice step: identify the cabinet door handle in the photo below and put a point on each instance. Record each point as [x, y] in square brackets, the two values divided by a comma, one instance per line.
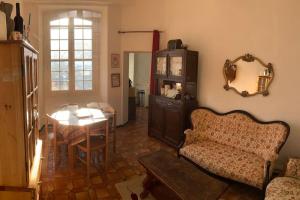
[7, 106]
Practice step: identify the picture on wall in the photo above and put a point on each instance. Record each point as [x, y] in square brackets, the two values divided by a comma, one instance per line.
[115, 60]
[115, 80]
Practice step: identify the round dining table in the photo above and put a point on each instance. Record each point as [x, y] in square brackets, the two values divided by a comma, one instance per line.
[72, 118]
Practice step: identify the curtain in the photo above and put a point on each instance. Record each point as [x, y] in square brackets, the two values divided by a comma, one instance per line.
[155, 47]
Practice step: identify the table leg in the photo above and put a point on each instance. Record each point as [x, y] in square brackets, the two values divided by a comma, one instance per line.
[114, 131]
[54, 141]
[148, 183]
[106, 144]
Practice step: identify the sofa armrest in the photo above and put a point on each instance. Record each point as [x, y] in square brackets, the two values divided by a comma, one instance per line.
[189, 137]
[293, 168]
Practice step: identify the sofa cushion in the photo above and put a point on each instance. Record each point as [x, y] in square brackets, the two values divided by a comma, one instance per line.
[226, 161]
[283, 188]
[238, 130]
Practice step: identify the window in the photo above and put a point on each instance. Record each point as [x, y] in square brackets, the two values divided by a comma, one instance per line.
[83, 54]
[59, 44]
[71, 49]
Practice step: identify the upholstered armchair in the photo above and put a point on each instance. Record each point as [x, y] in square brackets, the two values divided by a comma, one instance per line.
[288, 186]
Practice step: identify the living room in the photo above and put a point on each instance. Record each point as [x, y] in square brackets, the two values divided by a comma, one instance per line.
[216, 30]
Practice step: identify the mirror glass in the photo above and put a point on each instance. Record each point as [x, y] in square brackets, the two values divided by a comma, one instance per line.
[248, 75]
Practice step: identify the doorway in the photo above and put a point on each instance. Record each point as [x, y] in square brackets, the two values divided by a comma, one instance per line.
[137, 88]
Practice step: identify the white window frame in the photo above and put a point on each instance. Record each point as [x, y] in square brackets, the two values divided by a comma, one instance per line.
[95, 59]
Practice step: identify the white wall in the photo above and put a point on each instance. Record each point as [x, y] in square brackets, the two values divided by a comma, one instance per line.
[219, 30]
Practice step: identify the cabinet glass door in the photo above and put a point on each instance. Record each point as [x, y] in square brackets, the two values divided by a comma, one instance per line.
[176, 66]
[161, 66]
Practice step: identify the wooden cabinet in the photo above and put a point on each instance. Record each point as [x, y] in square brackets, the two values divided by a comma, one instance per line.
[20, 146]
[174, 98]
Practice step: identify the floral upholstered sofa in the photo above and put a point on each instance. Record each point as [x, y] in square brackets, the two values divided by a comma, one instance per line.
[234, 145]
[287, 187]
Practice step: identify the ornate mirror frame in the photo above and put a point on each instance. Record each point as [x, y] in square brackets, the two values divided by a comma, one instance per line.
[229, 72]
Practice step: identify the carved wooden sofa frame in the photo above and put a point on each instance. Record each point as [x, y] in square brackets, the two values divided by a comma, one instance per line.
[267, 165]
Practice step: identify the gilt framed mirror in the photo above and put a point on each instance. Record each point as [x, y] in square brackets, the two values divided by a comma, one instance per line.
[248, 75]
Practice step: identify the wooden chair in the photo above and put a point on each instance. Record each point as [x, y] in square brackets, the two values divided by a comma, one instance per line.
[111, 114]
[58, 138]
[95, 140]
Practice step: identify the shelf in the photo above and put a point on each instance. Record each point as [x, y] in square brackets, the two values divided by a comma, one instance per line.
[169, 78]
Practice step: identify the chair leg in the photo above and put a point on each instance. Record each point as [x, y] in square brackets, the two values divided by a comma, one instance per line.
[54, 145]
[88, 155]
[71, 156]
[106, 146]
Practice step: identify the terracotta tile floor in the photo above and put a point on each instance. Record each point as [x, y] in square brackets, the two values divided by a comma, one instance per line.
[132, 142]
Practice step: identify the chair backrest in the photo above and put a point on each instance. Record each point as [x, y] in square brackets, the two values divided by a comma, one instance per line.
[69, 106]
[241, 130]
[105, 107]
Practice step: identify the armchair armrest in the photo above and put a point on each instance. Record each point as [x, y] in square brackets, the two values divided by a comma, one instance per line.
[293, 168]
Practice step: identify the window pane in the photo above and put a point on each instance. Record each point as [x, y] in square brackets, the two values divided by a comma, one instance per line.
[64, 85]
[64, 54]
[54, 23]
[54, 33]
[64, 21]
[88, 85]
[55, 85]
[88, 75]
[64, 76]
[78, 65]
[78, 75]
[64, 45]
[78, 54]
[64, 66]
[87, 22]
[87, 33]
[54, 55]
[87, 54]
[54, 66]
[55, 76]
[78, 45]
[78, 33]
[54, 44]
[79, 85]
[77, 21]
[87, 65]
[64, 34]
[88, 44]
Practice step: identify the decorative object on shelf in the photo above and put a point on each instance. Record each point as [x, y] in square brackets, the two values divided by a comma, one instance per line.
[115, 80]
[248, 75]
[115, 60]
[175, 44]
[18, 20]
[161, 65]
[3, 28]
[27, 28]
[175, 79]
[7, 9]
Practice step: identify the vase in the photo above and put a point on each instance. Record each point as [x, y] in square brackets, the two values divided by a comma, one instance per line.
[3, 29]
[7, 9]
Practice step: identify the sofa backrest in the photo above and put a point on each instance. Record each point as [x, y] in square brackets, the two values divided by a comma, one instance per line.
[241, 130]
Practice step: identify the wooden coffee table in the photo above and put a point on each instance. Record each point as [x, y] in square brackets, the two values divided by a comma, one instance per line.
[183, 178]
